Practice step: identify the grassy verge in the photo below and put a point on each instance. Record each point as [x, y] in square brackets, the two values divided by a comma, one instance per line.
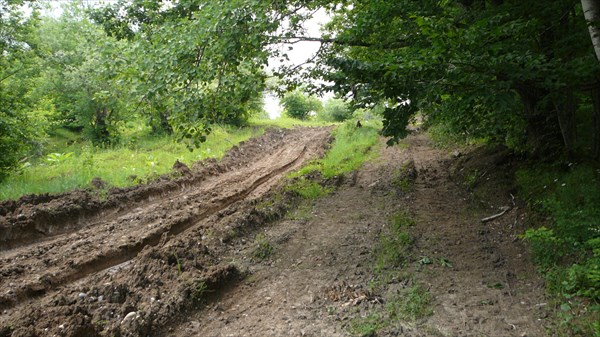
[403, 304]
[446, 139]
[121, 166]
[351, 148]
[567, 247]
[287, 122]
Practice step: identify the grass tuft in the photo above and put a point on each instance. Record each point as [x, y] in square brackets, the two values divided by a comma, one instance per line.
[263, 248]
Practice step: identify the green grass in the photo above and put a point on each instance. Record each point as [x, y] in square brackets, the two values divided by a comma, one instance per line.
[393, 249]
[567, 248]
[308, 189]
[410, 304]
[287, 122]
[263, 248]
[366, 326]
[351, 148]
[76, 165]
[445, 138]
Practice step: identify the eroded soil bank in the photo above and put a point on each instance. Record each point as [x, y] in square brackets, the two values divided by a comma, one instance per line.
[79, 265]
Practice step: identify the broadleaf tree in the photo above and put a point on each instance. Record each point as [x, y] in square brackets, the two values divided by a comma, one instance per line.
[509, 71]
[18, 128]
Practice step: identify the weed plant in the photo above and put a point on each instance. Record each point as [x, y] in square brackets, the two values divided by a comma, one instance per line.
[567, 249]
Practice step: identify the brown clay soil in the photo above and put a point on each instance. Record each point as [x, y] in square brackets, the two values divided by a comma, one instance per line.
[178, 257]
[80, 265]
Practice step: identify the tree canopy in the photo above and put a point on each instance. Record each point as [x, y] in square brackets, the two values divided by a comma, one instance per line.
[521, 73]
[515, 72]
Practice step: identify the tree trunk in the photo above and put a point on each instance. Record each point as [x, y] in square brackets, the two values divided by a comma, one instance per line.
[565, 112]
[596, 145]
[591, 11]
[101, 125]
[544, 139]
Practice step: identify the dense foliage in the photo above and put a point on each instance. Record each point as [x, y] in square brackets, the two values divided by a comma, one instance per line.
[299, 105]
[515, 72]
[18, 131]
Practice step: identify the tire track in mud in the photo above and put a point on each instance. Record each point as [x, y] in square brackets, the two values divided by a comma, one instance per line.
[36, 219]
[24, 284]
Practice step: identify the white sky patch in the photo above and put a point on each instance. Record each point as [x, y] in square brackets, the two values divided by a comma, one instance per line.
[302, 52]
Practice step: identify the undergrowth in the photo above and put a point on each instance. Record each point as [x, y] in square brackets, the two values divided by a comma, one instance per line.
[136, 160]
[567, 247]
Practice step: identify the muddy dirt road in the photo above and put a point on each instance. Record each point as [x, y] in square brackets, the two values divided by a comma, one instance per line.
[127, 263]
[320, 279]
[178, 257]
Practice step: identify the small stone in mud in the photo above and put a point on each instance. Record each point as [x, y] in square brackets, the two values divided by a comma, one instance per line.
[21, 217]
[98, 183]
[82, 295]
[129, 317]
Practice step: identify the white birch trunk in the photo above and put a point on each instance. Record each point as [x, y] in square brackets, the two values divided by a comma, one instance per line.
[591, 11]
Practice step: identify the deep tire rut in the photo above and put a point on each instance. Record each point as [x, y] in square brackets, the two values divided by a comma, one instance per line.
[36, 268]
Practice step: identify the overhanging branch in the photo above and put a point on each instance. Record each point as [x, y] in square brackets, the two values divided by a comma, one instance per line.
[296, 39]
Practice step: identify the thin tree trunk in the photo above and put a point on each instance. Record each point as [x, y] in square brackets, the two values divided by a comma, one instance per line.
[596, 145]
[591, 11]
[565, 111]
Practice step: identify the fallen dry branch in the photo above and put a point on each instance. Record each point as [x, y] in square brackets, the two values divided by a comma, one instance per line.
[495, 216]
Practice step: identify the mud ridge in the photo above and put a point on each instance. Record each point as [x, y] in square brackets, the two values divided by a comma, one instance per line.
[38, 217]
[126, 253]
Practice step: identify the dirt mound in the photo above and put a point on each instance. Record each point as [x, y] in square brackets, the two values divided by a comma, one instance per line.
[127, 265]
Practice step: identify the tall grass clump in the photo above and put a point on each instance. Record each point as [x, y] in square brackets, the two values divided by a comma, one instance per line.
[567, 247]
[124, 165]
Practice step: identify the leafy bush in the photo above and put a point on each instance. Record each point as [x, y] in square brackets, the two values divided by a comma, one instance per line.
[298, 105]
[335, 110]
[568, 248]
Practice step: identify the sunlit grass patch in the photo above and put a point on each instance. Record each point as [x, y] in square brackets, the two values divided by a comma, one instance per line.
[120, 166]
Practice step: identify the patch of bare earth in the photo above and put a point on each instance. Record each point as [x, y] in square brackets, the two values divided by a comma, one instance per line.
[316, 282]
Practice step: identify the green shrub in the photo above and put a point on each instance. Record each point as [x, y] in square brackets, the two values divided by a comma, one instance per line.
[567, 249]
[299, 105]
[335, 110]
